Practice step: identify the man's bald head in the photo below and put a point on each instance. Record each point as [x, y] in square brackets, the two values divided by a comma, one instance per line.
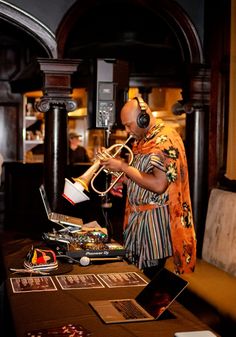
[130, 111]
[129, 114]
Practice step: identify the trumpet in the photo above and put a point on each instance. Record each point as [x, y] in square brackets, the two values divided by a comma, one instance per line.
[92, 173]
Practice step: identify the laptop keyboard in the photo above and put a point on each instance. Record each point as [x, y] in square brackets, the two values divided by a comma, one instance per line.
[66, 219]
[62, 217]
[128, 309]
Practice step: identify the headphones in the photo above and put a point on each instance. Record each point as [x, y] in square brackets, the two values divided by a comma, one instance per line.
[143, 118]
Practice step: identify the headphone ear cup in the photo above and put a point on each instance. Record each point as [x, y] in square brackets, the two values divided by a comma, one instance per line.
[143, 119]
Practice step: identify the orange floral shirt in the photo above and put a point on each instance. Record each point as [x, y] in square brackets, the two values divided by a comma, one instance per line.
[164, 143]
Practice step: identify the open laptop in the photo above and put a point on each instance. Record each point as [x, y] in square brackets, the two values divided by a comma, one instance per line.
[148, 305]
[71, 223]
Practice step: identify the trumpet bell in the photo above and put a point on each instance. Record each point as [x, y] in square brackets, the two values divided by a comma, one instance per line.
[85, 179]
[73, 192]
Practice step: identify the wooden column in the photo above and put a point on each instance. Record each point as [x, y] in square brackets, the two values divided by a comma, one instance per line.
[197, 123]
[56, 103]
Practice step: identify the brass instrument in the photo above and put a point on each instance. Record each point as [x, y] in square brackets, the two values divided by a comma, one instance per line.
[91, 174]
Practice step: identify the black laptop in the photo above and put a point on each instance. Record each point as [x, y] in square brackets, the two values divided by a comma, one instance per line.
[148, 305]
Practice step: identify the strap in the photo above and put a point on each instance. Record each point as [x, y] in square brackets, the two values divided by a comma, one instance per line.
[142, 208]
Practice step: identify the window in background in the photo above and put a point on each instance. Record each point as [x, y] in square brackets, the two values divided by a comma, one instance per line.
[161, 101]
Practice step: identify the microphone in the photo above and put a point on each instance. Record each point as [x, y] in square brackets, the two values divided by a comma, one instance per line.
[84, 261]
[179, 108]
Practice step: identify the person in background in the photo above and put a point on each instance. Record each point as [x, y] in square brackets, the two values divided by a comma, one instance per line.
[77, 153]
[158, 221]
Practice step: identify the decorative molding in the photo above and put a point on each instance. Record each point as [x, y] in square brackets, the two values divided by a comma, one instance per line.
[31, 25]
[45, 103]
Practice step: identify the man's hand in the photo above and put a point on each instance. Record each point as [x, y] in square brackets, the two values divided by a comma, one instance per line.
[112, 164]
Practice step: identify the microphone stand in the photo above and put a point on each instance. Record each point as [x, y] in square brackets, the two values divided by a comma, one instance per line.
[106, 203]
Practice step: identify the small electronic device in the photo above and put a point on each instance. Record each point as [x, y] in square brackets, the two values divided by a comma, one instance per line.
[202, 333]
[98, 251]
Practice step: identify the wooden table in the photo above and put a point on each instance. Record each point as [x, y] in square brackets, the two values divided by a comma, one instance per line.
[38, 310]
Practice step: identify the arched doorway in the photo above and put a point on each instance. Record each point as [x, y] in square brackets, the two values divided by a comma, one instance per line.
[19, 44]
[163, 49]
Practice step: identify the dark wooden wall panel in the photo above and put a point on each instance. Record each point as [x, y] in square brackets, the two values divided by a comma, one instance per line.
[9, 131]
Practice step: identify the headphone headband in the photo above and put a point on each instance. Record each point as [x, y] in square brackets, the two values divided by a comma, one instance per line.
[141, 102]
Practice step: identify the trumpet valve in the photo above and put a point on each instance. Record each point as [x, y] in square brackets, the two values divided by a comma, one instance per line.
[104, 155]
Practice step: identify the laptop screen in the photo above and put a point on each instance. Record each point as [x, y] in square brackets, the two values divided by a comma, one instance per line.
[45, 200]
[161, 292]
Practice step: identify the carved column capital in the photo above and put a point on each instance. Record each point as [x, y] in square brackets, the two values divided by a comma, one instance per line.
[196, 94]
[45, 103]
[200, 85]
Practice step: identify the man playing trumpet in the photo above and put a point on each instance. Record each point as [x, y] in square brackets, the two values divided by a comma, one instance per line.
[158, 219]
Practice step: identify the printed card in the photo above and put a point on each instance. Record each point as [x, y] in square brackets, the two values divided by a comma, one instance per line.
[30, 284]
[81, 281]
[128, 279]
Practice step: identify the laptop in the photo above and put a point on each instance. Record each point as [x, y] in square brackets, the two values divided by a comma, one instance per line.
[148, 305]
[72, 224]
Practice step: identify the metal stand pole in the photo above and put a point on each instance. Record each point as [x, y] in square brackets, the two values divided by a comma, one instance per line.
[106, 203]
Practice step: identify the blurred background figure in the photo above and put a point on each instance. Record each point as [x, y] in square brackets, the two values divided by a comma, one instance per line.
[77, 153]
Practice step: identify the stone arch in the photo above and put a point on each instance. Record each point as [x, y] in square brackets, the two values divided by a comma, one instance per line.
[168, 11]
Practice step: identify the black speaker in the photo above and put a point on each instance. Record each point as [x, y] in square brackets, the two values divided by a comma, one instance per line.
[143, 118]
[107, 92]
